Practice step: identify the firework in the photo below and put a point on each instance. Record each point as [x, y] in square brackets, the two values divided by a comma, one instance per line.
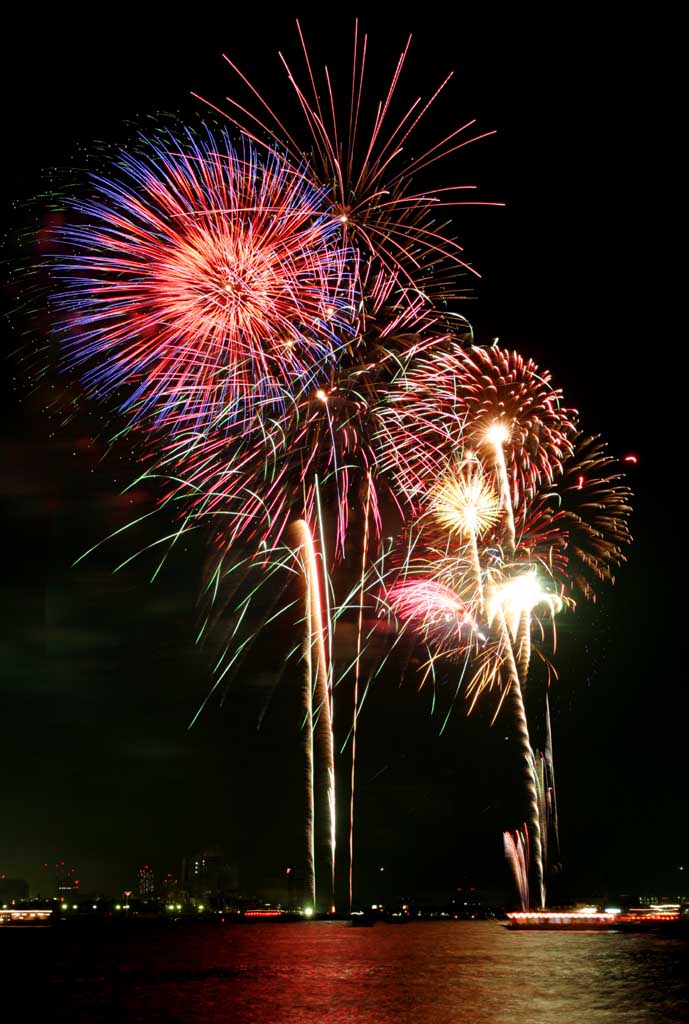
[493, 402]
[590, 513]
[408, 255]
[465, 503]
[200, 285]
[258, 311]
[517, 596]
[357, 673]
[516, 435]
[437, 612]
[517, 853]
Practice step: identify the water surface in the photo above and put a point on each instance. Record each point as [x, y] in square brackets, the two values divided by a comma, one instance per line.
[419, 973]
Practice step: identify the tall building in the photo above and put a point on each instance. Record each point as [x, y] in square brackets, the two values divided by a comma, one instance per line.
[209, 876]
[146, 882]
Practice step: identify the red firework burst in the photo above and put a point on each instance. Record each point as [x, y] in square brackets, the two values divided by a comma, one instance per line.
[202, 283]
[452, 396]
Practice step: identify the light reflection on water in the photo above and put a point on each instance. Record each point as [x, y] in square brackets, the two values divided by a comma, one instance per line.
[422, 973]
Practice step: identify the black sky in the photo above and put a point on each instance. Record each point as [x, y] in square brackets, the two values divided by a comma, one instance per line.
[99, 672]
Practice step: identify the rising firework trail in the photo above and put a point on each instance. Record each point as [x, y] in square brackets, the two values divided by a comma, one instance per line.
[357, 673]
[496, 436]
[321, 802]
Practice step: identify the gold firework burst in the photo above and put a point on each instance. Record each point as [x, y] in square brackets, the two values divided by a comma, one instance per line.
[465, 503]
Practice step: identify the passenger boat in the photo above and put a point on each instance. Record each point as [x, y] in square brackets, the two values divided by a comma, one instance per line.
[24, 916]
[594, 919]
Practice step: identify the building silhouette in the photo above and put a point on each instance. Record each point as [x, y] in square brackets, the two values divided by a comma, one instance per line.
[146, 886]
[210, 877]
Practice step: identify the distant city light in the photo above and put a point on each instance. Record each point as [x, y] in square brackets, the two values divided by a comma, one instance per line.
[308, 911]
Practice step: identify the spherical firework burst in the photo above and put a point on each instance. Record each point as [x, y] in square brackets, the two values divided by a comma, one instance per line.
[201, 284]
[484, 398]
[465, 503]
[508, 401]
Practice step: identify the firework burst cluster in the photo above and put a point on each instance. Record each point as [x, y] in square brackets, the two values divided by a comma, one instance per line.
[272, 320]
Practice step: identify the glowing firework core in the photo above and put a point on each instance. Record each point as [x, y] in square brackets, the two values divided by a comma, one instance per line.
[465, 504]
[515, 596]
[497, 434]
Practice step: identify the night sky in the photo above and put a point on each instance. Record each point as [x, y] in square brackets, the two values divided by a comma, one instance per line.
[100, 676]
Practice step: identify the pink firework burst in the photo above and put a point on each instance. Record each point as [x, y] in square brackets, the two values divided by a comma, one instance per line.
[436, 613]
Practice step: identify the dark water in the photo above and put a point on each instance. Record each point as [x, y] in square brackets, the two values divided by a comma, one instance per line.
[423, 973]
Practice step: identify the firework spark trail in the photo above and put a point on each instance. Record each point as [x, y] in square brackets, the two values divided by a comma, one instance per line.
[519, 611]
[553, 828]
[383, 214]
[330, 684]
[307, 649]
[357, 671]
[320, 722]
[542, 788]
[516, 852]
[581, 526]
[464, 504]
[496, 437]
[514, 700]
[203, 283]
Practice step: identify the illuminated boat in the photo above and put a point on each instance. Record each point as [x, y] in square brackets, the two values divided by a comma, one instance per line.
[24, 916]
[594, 919]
